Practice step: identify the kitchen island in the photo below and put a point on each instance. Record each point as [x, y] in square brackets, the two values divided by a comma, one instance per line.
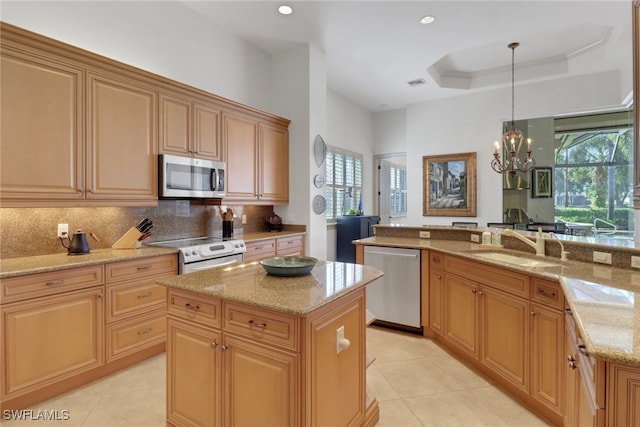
[248, 348]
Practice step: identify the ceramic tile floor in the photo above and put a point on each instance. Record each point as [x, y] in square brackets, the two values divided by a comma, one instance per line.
[416, 382]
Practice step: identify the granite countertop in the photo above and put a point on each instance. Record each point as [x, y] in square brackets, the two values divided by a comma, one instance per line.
[249, 283]
[605, 301]
[12, 267]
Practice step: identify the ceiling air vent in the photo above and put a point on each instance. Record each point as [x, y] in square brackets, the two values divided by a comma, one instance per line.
[416, 82]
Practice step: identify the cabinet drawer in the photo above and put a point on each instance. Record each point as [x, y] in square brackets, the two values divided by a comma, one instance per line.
[195, 308]
[142, 268]
[289, 243]
[41, 284]
[508, 281]
[261, 325]
[260, 249]
[126, 300]
[131, 335]
[547, 293]
[436, 260]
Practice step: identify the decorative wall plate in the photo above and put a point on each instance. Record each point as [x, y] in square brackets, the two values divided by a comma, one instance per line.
[318, 181]
[319, 204]
[319, 150]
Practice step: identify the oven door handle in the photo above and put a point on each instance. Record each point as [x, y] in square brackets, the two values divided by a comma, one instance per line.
[214, 266]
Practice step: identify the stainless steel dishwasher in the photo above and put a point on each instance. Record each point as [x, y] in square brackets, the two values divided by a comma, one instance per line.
[395, 297]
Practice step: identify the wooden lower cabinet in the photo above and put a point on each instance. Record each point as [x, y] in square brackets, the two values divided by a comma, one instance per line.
[236, 372]
[52, 338]
[289, 245]
[293, 245]
[461, 313]
[623, 403]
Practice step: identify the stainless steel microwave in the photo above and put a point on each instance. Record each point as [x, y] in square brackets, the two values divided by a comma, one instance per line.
[190, 178]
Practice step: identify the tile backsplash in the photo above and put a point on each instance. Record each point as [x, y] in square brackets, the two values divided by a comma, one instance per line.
[32, 231]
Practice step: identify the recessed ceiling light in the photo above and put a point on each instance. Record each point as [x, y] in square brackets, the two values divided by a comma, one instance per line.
[285, 10]
[427, 19]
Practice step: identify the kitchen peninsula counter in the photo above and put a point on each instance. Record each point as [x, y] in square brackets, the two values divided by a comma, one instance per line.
[604, 300]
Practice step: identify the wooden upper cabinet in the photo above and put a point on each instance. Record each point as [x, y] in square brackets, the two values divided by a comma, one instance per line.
[122, 139]
[257, 154]
[190, 128]
[42, 129]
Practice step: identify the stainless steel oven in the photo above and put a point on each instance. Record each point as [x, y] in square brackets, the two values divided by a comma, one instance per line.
[203, 253]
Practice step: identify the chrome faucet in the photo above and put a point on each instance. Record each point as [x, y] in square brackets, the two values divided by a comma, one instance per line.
[538, 245]
[563, 254]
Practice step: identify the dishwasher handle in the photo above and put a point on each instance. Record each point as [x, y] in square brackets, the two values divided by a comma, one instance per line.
[391, 254]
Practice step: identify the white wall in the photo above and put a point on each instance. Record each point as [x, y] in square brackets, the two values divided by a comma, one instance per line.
[473, 122]
[166, 38]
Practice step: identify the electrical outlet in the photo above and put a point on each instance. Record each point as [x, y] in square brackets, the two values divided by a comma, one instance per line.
[475, 238]
[339, 339]
[63, 230]
[635, 261]
[425, 234]
[244, 218]
[602, 257]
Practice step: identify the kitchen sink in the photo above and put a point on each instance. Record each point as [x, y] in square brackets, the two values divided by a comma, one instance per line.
[513, 259]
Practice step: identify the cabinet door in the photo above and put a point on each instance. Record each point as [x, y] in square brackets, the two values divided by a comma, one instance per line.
[207, 142]
[505, 336]
[41, 111]
[273, 155]
[261, 386]
[461, 326]
[51, 338]
[547, 356]
[260, 249]
[121, 156]
[623, 404]
[194, 378]
[436, 283]
[240, 137]
[175, 125]
[571, 385]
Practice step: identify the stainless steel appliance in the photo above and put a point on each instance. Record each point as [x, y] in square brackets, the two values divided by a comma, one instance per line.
[394, 298]
[190, 178]
[203, 253]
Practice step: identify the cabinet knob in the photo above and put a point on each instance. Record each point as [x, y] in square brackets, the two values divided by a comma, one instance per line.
[583, 349]
[439, 277]
[213, 345]
[100, 296]
[224, 348]
[474, 290]
[532, 313]
[573, 364]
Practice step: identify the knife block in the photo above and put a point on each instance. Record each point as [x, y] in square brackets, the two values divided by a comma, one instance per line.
[129, 240]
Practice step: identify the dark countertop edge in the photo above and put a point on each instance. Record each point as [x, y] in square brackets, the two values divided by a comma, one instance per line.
[169, 283]
[59, 262]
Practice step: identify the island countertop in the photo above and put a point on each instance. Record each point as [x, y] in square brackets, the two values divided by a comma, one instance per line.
[250, 284]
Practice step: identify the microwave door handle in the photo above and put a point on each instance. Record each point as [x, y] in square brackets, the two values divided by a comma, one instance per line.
[213, 179]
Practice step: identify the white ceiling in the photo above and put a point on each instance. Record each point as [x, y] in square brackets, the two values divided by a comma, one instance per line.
[373, 48]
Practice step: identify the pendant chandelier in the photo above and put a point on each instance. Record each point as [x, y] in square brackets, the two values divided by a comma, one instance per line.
[512, 139]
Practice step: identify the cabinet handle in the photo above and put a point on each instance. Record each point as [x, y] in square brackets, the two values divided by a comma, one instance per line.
[188, 306]
[253, 324]
[257, 248]
[582, 349]
[56, 282]
[439, 277]
[573, 364]
[213, 345]
[546, 294]
[480, 293]
[568, 311]
[100, 296]
[145, 331]
[474, 290]
[532, 313]
[144, 267]
[224, 348]
[147, 295]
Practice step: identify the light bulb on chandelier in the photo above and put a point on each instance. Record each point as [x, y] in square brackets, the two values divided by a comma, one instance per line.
[512, 140]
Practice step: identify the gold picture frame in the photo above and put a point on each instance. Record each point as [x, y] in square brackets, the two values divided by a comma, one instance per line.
[449, 185]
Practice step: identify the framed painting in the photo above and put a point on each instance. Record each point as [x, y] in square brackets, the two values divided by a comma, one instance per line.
[449, 185]
[541, 182]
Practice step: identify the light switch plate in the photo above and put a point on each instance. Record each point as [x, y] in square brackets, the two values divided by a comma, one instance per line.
[475, 238]
[425, 234]
[602, 257]
[635, 261]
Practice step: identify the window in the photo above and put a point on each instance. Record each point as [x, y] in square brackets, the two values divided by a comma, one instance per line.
[594, 172]
[343, 181]
[392, 187]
